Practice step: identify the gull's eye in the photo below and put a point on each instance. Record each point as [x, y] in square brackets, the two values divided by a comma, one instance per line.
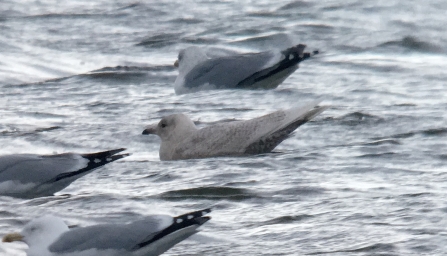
[33, 229]
[163, 125]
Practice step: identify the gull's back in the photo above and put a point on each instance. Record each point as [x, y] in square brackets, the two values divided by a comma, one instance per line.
[226, 72]
[36, 168]
[255, 136]
[116, 237]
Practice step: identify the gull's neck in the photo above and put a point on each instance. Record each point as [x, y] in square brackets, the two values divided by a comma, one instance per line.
[192, 57]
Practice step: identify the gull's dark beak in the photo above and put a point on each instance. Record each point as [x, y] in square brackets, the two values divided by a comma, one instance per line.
[150, 129]
[176, 64]
[9, 238]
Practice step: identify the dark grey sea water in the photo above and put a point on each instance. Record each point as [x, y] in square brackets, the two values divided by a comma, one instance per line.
[366, 177]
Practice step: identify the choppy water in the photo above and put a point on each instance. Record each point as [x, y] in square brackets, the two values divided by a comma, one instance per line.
[367, 177]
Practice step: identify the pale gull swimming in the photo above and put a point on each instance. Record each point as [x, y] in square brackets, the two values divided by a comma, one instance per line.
[181, 139]
[263, 70]
[151, 236]
[30, 175]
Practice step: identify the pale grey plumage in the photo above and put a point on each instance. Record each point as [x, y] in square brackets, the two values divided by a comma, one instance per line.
[110, 236]
[264, 70]
[182, 140]
[38, 168]
[31, 175]
[149, 236]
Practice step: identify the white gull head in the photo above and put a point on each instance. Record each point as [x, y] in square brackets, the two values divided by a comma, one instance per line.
[188, 58]
[39, 234]
[172, 130]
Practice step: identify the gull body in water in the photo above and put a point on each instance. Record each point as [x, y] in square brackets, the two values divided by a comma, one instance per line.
[149, 236]
[181, 139]
[263, 70]
[31, 175]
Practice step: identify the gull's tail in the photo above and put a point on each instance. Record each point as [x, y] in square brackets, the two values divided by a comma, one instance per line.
[277, 73]
[95, 160]
[296, 117]
[184, 221]
[296, 54]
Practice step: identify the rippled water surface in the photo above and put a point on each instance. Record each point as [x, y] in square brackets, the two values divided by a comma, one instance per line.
[366, 177]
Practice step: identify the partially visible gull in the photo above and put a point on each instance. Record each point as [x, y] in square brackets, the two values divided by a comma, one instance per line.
[150, 236]
[30, 175]
[181, 139]
[263, 70]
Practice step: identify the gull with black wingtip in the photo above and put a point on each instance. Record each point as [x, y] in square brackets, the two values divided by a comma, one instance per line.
[263, 70]
[149, 236]
[31, 175]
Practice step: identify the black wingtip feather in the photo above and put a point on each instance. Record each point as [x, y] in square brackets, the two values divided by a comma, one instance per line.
[103, 154]
[292, 57]
[179, 222]
[195, 213]
[95, 160]
[295, 55]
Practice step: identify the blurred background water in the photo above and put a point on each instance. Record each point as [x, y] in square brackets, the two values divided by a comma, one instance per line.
[366, 177]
